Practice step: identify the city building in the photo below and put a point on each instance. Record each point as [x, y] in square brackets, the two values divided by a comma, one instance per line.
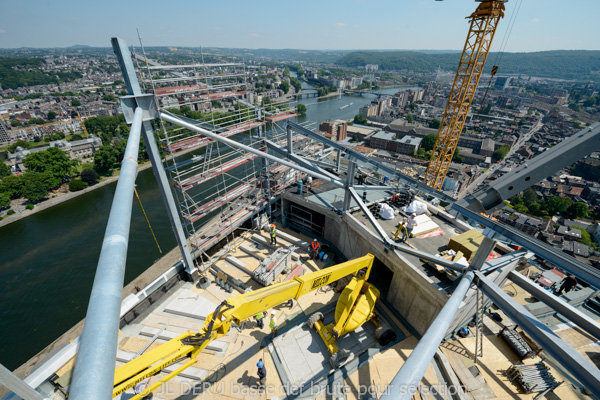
[502, 82]
[338, 129]
[408, 145]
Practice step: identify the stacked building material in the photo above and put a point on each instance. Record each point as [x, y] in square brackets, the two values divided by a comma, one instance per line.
[272, 266]
[533, 377]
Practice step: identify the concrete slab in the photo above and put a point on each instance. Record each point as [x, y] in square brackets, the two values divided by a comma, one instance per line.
[190, 304]
[304, 357]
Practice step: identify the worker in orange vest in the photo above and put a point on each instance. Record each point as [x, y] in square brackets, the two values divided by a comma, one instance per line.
[315, 246]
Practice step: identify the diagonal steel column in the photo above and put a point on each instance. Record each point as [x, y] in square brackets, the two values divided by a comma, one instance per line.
[562, 307]
[133, 87]
[299, 159]
[406, 382]
[94, 372]
[583, 370]
[349, 184]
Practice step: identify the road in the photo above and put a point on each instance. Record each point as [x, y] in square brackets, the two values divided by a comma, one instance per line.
[523, 139]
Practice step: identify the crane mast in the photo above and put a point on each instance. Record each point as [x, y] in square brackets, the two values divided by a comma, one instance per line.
[484, 22]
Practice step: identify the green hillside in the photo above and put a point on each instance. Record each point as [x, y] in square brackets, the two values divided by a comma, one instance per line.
[566, 64]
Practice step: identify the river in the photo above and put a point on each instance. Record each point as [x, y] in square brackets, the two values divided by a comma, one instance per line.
[49, 259]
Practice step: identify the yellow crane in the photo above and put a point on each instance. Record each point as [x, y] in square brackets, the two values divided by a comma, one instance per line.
[83, 125]
[354, 307]
[484, 22]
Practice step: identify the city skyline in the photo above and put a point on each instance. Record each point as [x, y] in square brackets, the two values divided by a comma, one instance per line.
[358, 24]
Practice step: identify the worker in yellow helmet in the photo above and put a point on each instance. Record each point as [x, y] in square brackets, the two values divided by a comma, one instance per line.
[273, 232]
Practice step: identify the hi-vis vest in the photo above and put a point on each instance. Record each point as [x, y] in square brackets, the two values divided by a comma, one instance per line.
[315, 245]
[273, 232]
[273, 323]
[259, 316]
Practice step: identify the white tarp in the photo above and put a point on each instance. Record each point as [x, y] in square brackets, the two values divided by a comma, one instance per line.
[386, 211]
[416, 207]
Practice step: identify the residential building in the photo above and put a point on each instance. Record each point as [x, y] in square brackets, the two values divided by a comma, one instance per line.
[338, 129]
[408, 145]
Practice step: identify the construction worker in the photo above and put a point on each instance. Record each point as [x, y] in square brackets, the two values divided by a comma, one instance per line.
[315, 246]
[259, 320]
[411, 223]
[273, 324]
[273, 232]
[262, 372]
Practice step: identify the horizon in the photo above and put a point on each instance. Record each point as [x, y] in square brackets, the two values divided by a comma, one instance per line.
[343, 26]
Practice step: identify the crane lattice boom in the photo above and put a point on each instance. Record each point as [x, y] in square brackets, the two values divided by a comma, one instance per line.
[481, 33]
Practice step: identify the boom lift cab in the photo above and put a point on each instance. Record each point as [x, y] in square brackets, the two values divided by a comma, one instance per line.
[355, 306]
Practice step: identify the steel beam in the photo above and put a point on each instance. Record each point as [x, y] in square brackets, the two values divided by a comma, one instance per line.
[175, 120]
[16, 385]
[290, 141]
[338, 160]
[573, 314]
[94, 372]
[357, 156]
[584, 371]
[299, 159]
[133, 87]
[546, 164]
[349, 184]
[406, 381]
[557, 257]
[368, 214]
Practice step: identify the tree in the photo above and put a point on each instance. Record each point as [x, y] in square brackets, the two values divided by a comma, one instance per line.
[360, 119]
[14, 123]
[285, 86]
[75, 103]
[585, 236]
[299, 72]
[322, 91]
[104, 159]
[286, 71]
[89, 176]
[76, 185]
[4, 170]
[578, 210]
[301, 109]
[49, 180]
[555, 204]
[13, 186]
[435, 123]
[54, 160]
[409, 118]
[51, 115]
[4, 200]
[34, 189]
[428, 142]
[333, 88]
[109, 97]
[529, 197]
[487, 109]
[499, 154]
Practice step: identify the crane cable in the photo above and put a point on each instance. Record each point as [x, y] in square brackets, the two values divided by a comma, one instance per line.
[500, 55]
[147, 220]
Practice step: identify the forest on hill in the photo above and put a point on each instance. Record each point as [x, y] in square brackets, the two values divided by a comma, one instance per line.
[563, 64]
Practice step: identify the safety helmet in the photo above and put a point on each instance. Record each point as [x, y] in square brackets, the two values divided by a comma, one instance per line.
[273, 312]
[260, 364]
[413, 215]
[315, 240]
[272, 225]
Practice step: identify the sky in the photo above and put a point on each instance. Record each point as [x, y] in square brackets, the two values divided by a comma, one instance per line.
[314, 25]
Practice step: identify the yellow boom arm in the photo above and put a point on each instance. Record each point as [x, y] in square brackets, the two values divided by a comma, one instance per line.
[235, 309]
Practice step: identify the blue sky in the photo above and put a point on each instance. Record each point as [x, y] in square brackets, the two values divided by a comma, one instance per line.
[326, 24]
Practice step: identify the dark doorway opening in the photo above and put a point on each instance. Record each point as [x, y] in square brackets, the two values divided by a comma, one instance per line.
[381, 276]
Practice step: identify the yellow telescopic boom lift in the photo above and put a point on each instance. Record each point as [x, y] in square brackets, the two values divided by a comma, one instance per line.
[354, 308]
[484, 22]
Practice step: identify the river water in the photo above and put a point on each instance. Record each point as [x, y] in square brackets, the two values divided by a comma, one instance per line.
[48, 260]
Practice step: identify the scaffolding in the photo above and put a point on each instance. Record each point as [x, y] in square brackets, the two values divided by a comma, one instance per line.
[219, 187]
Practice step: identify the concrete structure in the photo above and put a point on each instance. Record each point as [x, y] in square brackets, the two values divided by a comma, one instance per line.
[337, 129]
[408, 145]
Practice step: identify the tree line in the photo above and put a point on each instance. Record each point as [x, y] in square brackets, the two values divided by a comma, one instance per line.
[20, 72]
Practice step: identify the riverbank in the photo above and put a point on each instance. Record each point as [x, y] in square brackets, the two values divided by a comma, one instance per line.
[66, 196]
[61, 198]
